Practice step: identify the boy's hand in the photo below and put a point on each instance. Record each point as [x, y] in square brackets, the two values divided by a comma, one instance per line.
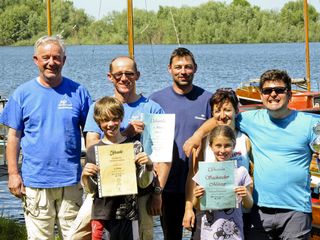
[143, 158]
[90, 169]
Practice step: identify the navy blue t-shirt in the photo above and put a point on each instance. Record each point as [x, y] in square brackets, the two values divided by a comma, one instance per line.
[191, 111]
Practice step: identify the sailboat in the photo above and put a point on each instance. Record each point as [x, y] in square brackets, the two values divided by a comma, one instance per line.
[303, 99]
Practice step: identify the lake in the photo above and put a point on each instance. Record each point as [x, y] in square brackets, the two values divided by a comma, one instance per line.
[219, 65]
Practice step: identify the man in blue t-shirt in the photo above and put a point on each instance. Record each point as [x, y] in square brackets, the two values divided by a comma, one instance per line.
[191, 105]
[45, 117]
[280, 145]
[123, 74]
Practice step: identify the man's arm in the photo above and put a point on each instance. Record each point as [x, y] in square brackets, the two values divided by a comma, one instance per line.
[155, 201]
[15, 183]
[195, 140]
[189, 216]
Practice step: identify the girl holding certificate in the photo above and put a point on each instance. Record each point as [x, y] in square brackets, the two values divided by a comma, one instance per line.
[224, 223]
[114, 217]
[225, 107]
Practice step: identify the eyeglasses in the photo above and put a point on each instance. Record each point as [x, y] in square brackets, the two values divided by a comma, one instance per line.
[118, 75]
[277, 90]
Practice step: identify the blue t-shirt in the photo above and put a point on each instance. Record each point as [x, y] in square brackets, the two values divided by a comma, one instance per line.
[191, 111]
[132, 111]
[50, 120]
[282, 156]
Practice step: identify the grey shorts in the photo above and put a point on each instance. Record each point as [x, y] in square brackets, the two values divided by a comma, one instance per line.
[275, 223]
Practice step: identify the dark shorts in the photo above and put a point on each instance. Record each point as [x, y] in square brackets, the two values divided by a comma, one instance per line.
[275, 223]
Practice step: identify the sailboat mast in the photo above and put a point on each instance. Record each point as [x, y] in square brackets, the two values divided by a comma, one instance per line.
[306, 29]
[49, 17]
[130, 28]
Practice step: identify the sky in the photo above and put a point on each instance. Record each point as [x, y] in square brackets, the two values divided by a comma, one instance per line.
[100, 8]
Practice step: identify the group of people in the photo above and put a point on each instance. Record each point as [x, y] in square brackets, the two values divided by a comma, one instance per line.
[46, 115]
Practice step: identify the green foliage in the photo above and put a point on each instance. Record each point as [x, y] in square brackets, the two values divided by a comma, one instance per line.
[9, 230]
[23, 21]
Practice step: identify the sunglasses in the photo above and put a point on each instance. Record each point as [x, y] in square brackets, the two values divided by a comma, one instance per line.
[118, 75]
[277, 90]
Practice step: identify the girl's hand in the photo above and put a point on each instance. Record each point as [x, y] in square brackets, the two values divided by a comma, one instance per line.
[241, 191]
[198, 191]
[90, 169]
[143, 158]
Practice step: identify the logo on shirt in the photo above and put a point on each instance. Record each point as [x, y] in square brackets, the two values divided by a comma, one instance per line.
[65, 103]
[201, 117]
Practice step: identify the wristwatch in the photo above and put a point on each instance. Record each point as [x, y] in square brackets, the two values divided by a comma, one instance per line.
[157, 190]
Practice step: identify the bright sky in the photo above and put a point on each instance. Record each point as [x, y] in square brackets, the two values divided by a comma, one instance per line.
[93, 8]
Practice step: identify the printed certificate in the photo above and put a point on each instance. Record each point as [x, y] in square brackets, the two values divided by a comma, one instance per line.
[117, 174]
[218, 180]
[158, 136]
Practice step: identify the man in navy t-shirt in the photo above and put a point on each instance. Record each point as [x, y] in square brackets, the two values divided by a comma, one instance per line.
[191, 106]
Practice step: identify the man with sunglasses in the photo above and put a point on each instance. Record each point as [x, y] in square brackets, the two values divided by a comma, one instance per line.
[280, 144]
[123, 74]
[191, 105]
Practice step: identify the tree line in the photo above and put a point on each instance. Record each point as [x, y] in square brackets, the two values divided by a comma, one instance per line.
[23, 21]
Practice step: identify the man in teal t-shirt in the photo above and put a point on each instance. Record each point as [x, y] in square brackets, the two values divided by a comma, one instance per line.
[280, 145]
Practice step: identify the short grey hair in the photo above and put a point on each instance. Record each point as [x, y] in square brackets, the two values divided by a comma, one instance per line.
[46, 39]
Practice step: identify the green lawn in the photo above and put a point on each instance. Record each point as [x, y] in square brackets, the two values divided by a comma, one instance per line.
[10, 230]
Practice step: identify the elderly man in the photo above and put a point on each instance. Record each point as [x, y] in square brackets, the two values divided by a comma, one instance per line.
[45, 116]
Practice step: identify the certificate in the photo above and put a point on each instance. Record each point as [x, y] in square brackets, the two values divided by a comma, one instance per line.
[158, 136]
[117, 175]
[218, 180]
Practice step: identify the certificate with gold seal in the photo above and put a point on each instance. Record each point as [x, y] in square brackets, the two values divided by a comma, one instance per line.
[117, 174]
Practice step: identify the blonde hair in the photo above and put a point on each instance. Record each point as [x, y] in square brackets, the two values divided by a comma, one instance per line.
[106, 107]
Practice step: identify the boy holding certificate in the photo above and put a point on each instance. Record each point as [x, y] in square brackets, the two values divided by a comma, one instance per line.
[224, 223]
[114, 217]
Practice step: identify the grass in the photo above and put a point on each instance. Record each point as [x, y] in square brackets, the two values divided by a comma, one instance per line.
[10, 230]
